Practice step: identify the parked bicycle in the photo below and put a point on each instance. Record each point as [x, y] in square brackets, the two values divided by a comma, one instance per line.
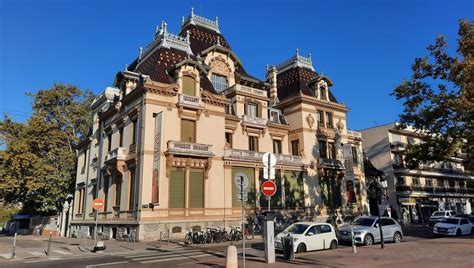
[235, 234]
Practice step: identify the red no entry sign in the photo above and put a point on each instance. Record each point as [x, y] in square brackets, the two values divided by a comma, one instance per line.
[98, 203]
[269, 188]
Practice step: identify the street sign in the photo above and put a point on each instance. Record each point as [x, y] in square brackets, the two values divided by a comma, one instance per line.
[269, 175]
[98, 203]
[241, 180]
[269, 188]
[269, 159]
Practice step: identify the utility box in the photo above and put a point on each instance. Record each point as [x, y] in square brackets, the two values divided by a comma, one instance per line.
[269, 238]
[288, 250]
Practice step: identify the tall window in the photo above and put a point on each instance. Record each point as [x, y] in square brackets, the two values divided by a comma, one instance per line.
[118, 190]
[189, 86]
[219, 82]
[428, 182]
[109, 142]
[323, 151]
[80, 208]
[253, 144]
[188, 130]
[320, 118]
[176, 188]
[415, 181]
[398, 160]
[252, 110]
[228, 139]
[134, 131]
[355, 158]
[84, 163]
[328, 120]
[196, 188]
[295, 147]
[277, 146]
[131, 192]
[121, 137]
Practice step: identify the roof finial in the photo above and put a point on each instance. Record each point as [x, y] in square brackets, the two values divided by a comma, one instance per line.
[164, 27]
[217, 21]
[297, 52]
[157, 29]
[192, 11]
[126, 67]
[182, 20]
[140, 53]
[309, 56]
[218, 41]
[267, 67]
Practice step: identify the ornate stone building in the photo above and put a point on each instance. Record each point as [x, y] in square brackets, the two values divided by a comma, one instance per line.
[183, 118]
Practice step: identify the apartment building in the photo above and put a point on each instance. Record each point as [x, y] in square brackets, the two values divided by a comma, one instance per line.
[416, 193]
[185, 117]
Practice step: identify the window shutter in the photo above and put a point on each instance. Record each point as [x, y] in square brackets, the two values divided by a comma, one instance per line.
[189, 86]
[196, 188]
[176, 188]
[188, 130]
[259, 111]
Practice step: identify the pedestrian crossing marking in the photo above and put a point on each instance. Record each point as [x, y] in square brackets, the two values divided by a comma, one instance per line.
[62, 252]
[36, 253]
[164, 256]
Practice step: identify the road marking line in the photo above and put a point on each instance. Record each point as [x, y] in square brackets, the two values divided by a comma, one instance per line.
[36, 253]
[6, 255]
[166, 256]
[158, 253]
[177, 258]
[106, 264]
[61, 252]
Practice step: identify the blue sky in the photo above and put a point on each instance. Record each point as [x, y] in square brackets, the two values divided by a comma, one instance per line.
[365, 47]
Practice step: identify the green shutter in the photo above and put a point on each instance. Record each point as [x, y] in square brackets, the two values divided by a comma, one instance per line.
[176, 188]
[250, 172]
[196, 188]
[188, 130]
[259, 110]
[293, 189]
[189, 86]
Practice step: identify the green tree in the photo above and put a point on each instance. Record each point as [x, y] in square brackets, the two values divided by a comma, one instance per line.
[39, 163]
[438, 101]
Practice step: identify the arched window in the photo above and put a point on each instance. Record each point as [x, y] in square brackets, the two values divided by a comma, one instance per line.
[189, 86]
[219, 82]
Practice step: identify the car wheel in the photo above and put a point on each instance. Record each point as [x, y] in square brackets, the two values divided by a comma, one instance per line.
[397, 237]
[368, 240]
[333, 244]
[458, 232]
[301, 248]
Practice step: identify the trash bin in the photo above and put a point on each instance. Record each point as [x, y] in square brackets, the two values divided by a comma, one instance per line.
[288, 251]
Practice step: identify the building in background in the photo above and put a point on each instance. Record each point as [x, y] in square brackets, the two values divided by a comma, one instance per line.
[185, 117]
[416, 193]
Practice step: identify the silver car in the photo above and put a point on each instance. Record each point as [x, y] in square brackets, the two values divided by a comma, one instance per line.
[366, 230]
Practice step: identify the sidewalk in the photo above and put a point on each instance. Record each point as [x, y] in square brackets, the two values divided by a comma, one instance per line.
[31, 247]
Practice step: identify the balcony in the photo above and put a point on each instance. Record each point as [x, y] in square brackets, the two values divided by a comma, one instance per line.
[251, 156]
[189, 148]
[251, 121]
[192, 102]
[397, 146]
[117, 154]
[354, 134]
[433, 190]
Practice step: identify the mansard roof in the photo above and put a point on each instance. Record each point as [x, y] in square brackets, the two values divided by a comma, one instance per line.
[297, 74]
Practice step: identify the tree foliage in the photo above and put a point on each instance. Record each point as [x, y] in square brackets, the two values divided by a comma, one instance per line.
[39, 164]
[438, 100]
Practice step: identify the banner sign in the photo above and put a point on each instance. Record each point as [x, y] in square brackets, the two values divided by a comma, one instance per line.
[156, 160]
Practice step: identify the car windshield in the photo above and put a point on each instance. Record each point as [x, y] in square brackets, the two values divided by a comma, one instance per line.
[451, 221]
[438, 213]
[363, 221]
[297, 229]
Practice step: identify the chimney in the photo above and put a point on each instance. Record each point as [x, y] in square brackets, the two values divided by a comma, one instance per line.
[272, 79]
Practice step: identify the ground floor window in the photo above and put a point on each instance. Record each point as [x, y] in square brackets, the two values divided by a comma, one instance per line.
[196, 188]
[331, 187]
[177, 188]
[276, 200]
[293, 189]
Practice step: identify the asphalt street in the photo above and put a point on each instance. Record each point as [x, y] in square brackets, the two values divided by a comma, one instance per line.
[419, 249]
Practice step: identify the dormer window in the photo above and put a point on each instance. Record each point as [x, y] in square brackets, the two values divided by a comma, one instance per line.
[322, 93]
[219, 82]
[189, 86]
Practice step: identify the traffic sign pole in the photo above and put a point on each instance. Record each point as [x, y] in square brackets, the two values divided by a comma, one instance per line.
[269, 170]
[243, 224]
[95, 229]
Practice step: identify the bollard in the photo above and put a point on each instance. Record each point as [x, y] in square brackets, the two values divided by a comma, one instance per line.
[13, 248]
[231, 257]
[354, 250]
[85, 240]
[49, 243]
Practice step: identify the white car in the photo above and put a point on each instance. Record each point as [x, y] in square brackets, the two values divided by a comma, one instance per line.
[308, 236]
[438, 216]
[453, 226]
